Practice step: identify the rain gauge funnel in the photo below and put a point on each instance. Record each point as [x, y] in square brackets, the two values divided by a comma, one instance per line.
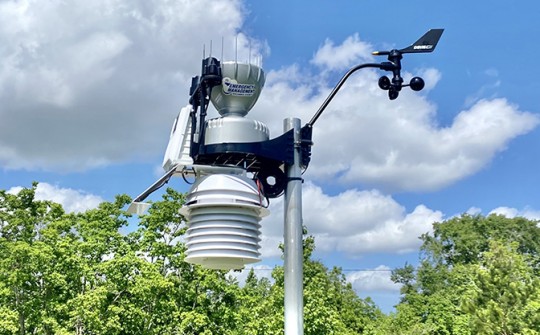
[233, 99]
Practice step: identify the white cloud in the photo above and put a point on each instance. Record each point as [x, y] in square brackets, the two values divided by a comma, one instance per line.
[353, 222]
[86, 84]
[510, 212]
[489, 89]
[351, 52]
[474, 211]
[506, 211]
[365, 139]
[270, 242]
[377, 279]
[70, 199]
[357, 223]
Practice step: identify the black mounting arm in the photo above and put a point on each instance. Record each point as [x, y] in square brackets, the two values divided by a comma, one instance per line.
[201, 88]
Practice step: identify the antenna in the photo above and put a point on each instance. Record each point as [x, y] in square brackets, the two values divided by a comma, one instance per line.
[236, 49]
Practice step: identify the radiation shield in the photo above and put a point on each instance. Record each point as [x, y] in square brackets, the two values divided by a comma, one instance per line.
[223, 213]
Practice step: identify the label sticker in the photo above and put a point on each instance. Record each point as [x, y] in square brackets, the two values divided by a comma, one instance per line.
[232, 87]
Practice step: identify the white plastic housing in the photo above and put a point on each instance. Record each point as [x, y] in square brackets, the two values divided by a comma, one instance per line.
[177, 152]
[223, 213]
[235, 129]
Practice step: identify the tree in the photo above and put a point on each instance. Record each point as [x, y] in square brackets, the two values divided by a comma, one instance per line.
[477, 275]
[32, 289]
[503, 294]
[462, 240]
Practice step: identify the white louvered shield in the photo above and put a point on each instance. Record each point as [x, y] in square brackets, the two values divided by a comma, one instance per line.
[223, 213]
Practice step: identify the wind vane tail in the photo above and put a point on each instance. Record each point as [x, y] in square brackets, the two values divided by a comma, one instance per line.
[426, 43]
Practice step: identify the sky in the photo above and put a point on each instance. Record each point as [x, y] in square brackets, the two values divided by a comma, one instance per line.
[89, 91]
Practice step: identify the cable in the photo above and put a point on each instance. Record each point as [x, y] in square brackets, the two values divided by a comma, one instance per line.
[261, 192]
[342, 270]
[184, 172]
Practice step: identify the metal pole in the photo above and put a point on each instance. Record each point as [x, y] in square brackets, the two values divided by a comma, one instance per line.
[294, 256]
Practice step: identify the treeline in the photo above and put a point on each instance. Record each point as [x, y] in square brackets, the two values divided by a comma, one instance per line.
[477, 275]
[82, 273]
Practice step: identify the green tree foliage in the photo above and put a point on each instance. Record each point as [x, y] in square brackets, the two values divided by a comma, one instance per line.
[330, 304]
[477, 275]
[464, 239]
[81, 273]
[503, 295]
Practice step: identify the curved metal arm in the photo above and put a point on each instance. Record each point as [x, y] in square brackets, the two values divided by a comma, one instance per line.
[388, 66]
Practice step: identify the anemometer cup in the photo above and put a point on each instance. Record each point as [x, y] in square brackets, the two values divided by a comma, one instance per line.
[417, 84]
[384, 83]
[393, 94]
[393, 87]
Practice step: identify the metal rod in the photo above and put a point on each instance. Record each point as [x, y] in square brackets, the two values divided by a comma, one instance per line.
[294, 255]
[338, 86]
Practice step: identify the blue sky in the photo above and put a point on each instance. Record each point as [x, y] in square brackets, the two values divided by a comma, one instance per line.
[89, 90]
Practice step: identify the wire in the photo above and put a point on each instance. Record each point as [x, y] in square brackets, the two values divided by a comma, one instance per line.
[342, 270]
[261, 192]
[184, 173]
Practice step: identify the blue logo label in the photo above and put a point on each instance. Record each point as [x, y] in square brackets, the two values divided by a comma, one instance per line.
[231, 87]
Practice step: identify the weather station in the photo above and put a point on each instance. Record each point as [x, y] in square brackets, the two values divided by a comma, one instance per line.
[237, 168]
